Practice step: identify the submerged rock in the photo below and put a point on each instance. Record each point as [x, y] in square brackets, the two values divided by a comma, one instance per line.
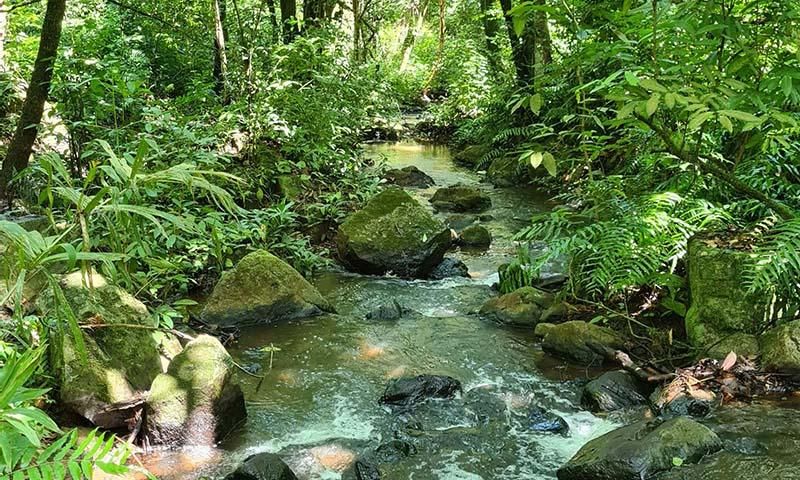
[460, 221]
[526, 307]
[389, 311]
[120, 362]
[410, 176]
[613, 391]
[364, 470]
[780, 348]
[262, 289]
[393, 233]
[263, 466]
[394, 451]
[461, 198]
[540, 420]
[475, 236]
[569, 340]
[196, 402]
[410, 391]
[641, 450]
[449, 268]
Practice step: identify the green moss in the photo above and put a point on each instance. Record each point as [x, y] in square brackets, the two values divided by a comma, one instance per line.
[780, 348]
[476, 236]
[461, 198]
[262, 289]
[569, 340]
[524, 306]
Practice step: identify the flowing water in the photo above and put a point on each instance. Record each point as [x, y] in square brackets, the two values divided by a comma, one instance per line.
[318, 406]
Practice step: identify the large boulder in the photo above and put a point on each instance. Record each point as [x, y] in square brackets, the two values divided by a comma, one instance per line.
[393, 233]
[721, 303]
[262, 466]
[105, 379]
[461, 198]
[410, 176]
[612, 391]
[471, 155]
[475, 236]
[262, 289]
[525, 307]
[407, 392]
[641, 450]
[449, 268]
[780, 348]
[571, 340]
[196, 402]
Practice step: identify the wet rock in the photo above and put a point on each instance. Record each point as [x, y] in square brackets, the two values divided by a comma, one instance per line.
[461, 198]
[641, 450]
[486, 405]
[526, 307]
[393, 233]
[540, 420]
[263, 466]
[542, 329]
[121, 363]
[686, 406]
[460, 221]
[780, 348]
[569, 340]
[410, 176]
[410, 391]
[449, 268]
[196, 402]
[394, 451]
[471, 156]
[364, 470]
[613, 391]
[475, 236]
[389, 311]
[262, 289]
[745, 446]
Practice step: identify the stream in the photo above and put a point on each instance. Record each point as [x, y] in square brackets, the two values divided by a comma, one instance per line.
[318, 406]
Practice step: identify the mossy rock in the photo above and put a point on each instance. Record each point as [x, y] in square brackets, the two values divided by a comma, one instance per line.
[721, 304]
[120, 362]
[476, 236]
[744, 344]
[522, 307]
[410, 176]
[780, 348]
[262, 289]
[460, 221]
[471, 156]
[461, 198]
[569, 340]
[641, 450]
[393, 233]
[196, 401]
[292, 187]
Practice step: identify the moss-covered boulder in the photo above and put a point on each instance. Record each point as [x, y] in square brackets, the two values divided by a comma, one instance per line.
[262, 289]
[780, 348]
[120, 360]
[393, 233]
[571, 340]
[196, 401]
[721, 304]
[475, 236]
[526, 307]
[641, 450]
[461, 198]
[410, 176]
[471, 155]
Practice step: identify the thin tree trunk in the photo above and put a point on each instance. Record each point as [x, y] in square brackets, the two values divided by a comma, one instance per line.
[220, 55]
[356, 7]
[289, 20]
[543, 39]
[21, 146]
[523, 48]
[416, 21]
[3, 25]
[491, 26]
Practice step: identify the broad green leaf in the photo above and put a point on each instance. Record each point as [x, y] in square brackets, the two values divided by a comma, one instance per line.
[549, 163]
[699, 119]
[669, 100]
[536, 103]
[652, 104]
[631, 78]
[652, 85]
[739, 115]
[726, 123]
[536, 159]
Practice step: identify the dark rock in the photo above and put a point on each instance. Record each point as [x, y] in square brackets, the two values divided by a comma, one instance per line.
[685, 406]
[471, 156]
[393, 233]
[263, 466]
[569, 340]
[410, 176]
[540, 420]
[613, 391]
[449, 268]
[366, 471]
[745, 446]
[389, 311]
[641, 450]
[461, 198]
[486, 405]
[460, 221]
[475, 236]
[394, 451]
[409, 391]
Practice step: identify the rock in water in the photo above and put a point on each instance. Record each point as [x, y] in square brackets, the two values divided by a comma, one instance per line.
[410, 176]
[196, 402]
[389, 311]
[449, 268]
[780, 348]
[262, 289]
[393, 233]
[121, 363]
[263, 466]
[526, 307]
[409, 391]
[461, 198]
[475, 236]
[613, 391]
[569, 340]
[540, 420]
[364, 470]
[641, 450]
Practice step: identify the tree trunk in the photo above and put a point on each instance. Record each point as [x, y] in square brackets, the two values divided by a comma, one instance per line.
[543, 39]
[289, 20]
[356, 7]
[315, 11]
[220, 55]
[417, 11]
[21, 146]
[3, 25]
[491, 26]
[523, 48]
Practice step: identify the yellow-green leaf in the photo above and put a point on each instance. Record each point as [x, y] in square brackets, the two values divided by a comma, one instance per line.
[549, 163]
[669, 100]
[726, 123]
[536, 103]
[631, 78]
[652, 85]
[536, 159]
[699, 119]
[652, 104]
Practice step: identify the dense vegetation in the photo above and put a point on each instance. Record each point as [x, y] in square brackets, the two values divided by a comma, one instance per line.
[162, 141]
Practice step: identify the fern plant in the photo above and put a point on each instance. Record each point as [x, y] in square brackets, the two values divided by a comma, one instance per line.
[776, 267]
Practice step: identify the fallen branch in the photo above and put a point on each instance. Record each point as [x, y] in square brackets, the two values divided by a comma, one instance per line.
[627, 364]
